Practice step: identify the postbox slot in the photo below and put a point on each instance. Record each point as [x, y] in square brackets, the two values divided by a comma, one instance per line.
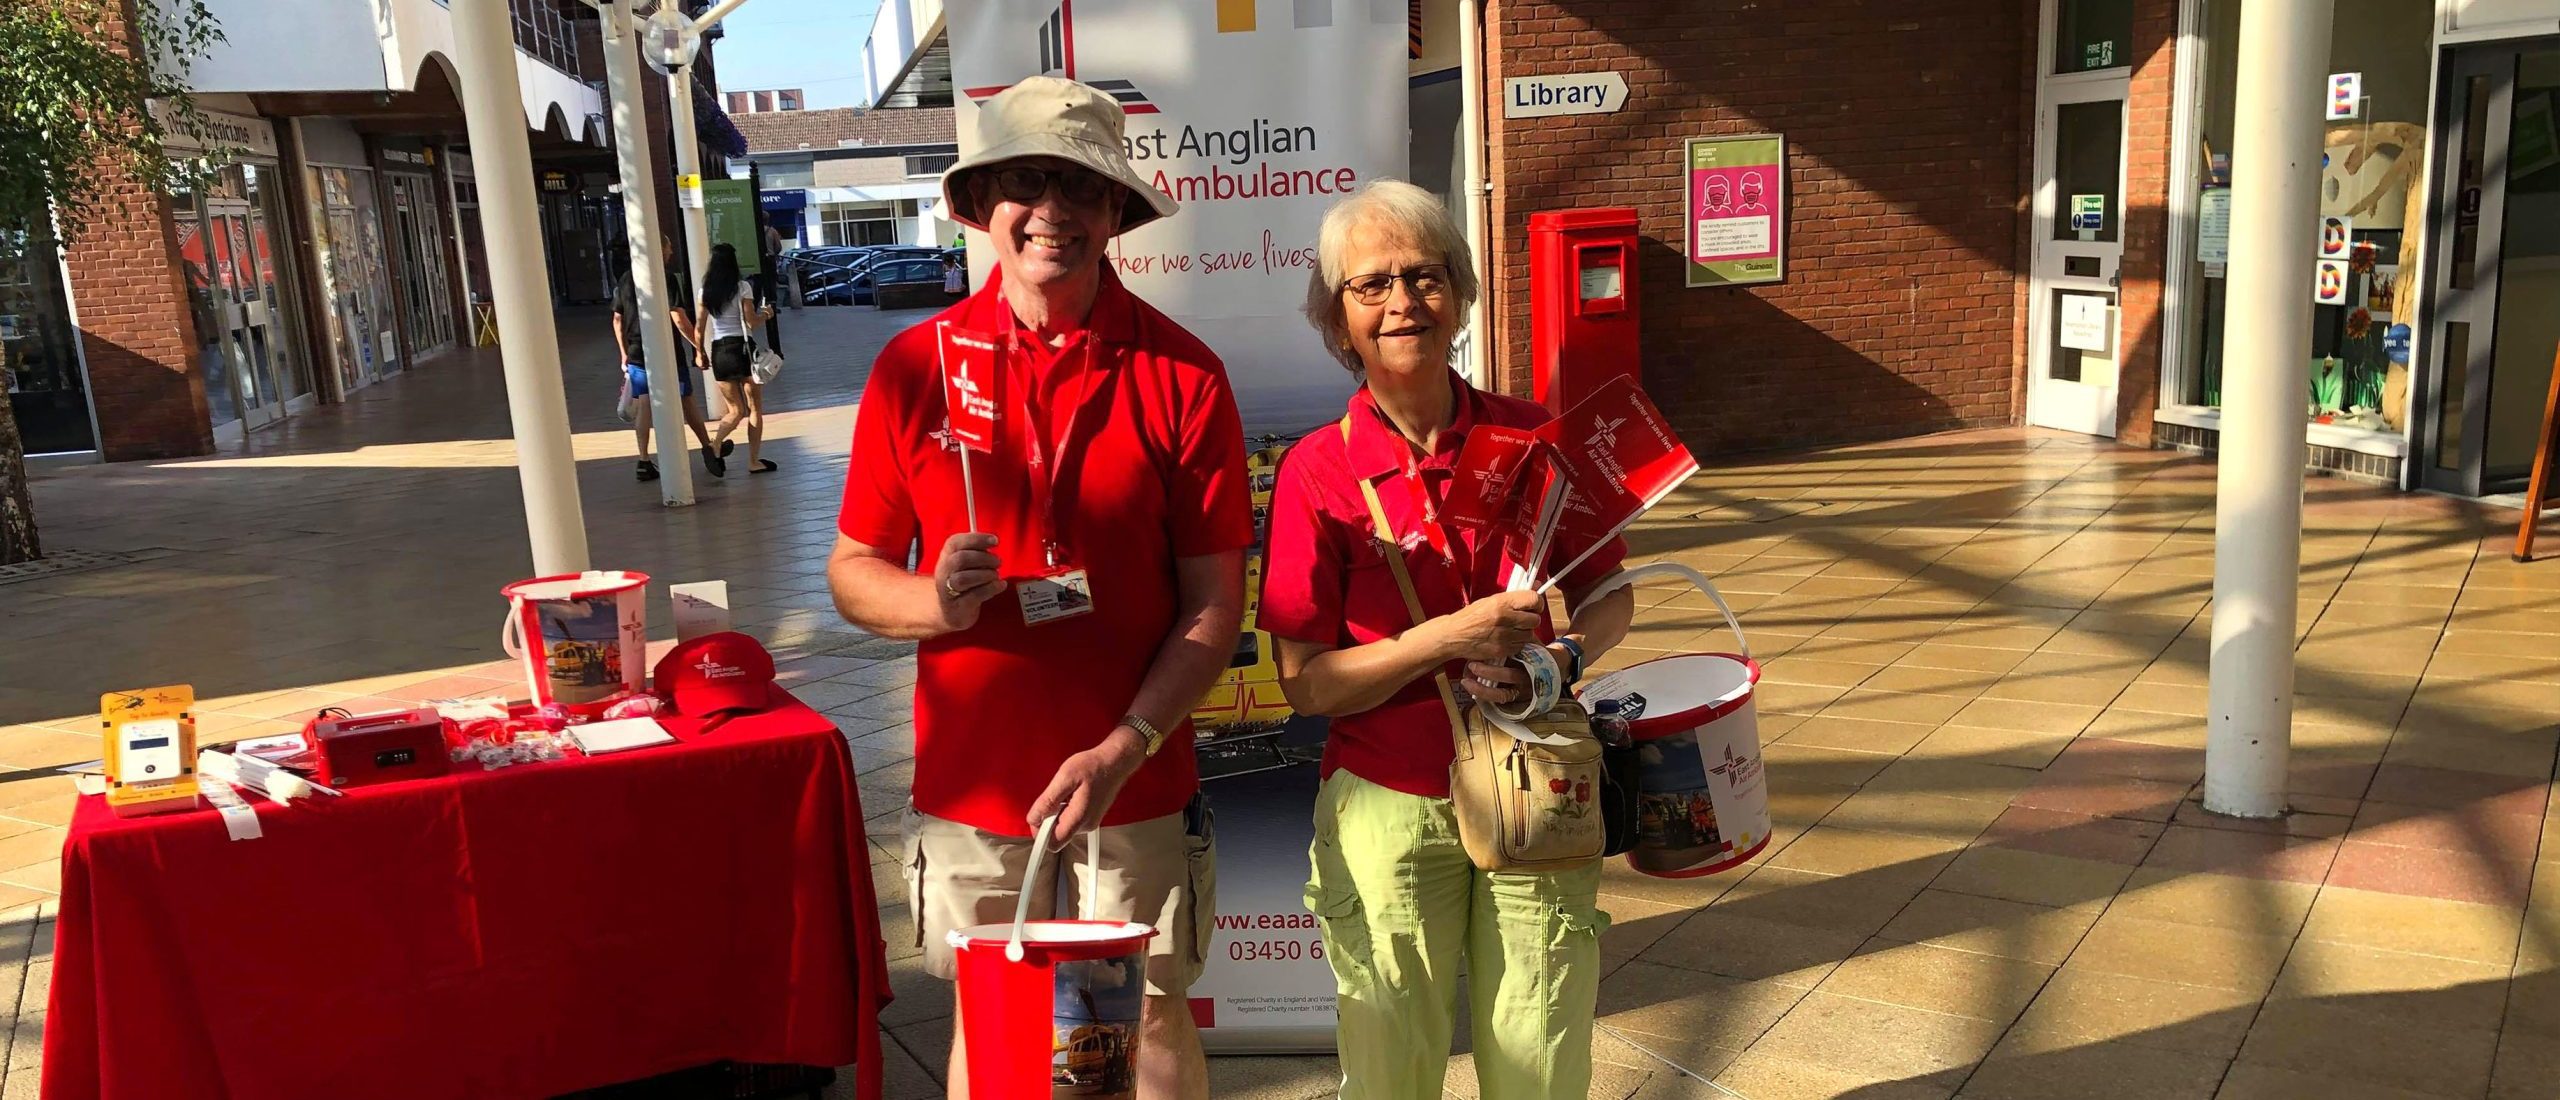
[1601, 271]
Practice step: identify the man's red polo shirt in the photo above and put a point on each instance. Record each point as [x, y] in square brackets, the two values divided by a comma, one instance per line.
[1155, 472]
[1326, 581]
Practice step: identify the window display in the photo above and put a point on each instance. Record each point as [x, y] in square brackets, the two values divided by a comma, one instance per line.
[2372, 202]
[39, 366]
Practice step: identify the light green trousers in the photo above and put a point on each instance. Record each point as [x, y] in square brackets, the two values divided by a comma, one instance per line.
[1403, 910]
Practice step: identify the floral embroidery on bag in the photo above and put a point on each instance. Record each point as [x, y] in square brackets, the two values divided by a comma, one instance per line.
[1572, 799]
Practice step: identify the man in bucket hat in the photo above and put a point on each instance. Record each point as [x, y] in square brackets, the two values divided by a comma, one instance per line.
[1067, 635]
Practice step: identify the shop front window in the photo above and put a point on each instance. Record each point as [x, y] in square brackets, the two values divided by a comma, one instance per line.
[39, 365]
[2372, 209]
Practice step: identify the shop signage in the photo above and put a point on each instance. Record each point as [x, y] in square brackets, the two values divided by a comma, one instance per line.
[2083, 324]
[556, 182]
[1565, 94]
[245, 134]
[2337, 237]
[1737, 210]
[730, 217]
[2346, 94]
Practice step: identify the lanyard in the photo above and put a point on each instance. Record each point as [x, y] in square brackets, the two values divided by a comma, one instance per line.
[1046, 465]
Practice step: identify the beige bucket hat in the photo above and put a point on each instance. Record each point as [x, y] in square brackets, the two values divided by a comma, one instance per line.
[1047, 116]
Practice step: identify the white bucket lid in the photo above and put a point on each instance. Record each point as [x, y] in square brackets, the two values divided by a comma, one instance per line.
[1051, 933]
[594, 582]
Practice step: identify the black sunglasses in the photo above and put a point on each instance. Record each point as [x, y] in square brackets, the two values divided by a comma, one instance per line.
[1025, 184]
[1427, 282]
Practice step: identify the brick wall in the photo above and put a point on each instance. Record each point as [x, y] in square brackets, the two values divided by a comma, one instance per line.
[2149, 109]
[135, 326]
[1907, 134]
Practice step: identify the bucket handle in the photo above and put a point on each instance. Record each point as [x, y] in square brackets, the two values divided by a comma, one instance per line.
[1627, 577]
[1031, 875]
[511, 632]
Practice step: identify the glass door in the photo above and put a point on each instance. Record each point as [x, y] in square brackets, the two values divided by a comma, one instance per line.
[271, 272]
[247, 313]
[2497, 275]
[2079, 215]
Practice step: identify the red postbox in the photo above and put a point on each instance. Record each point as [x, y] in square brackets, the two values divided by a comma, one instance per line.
[1582, 302]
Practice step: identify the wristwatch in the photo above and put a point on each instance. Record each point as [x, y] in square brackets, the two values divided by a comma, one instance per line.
[1146, 729]
[1574, 673]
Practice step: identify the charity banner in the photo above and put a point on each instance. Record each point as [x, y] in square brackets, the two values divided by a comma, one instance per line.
[1737, 210]
[1256, 118]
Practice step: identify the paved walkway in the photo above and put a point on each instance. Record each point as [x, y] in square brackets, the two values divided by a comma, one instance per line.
[1986, 658]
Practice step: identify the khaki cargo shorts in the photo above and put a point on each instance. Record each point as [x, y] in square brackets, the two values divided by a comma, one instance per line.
[1162, 872]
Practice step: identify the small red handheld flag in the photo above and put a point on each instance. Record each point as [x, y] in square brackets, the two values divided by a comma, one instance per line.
[1621, 458]
[972, 386]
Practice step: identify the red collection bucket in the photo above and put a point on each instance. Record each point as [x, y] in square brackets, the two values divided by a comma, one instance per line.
[1703, 793]
[1062, 1019]
[583, 637]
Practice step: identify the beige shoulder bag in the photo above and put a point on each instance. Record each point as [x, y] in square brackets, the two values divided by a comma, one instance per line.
[1520, 806]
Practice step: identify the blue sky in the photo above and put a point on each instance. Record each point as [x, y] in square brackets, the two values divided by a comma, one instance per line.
[812, 45]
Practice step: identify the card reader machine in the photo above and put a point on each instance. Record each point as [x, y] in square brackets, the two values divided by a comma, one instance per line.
[151, 750]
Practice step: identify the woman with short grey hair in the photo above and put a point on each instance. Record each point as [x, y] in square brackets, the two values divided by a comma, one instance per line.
[1402, 907]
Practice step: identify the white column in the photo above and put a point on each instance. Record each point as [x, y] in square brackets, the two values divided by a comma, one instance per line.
[2257, 551]
[484, 57]
[648, 267]
[697, 231]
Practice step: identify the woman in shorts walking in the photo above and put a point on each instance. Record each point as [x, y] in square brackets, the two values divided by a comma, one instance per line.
[729, 312]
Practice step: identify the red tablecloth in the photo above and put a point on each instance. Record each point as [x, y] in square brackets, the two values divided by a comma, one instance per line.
[517, 933]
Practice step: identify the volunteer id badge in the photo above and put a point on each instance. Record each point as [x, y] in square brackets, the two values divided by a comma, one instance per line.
[1063, 594]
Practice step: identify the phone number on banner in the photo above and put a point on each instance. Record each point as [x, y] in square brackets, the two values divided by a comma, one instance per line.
[1255, 950]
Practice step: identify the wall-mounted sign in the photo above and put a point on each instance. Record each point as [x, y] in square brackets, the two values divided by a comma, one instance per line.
[1570, 94]
[2330, 286]
[1737, 210]
[2346, 94]
[689, 190]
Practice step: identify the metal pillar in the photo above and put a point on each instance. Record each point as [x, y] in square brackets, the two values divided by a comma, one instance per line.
[484, 56]
[648, 268]
[2257, 541]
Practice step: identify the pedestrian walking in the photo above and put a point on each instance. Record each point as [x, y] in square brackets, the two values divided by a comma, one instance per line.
[1067, 634]
[955, 276]
[635, 372]
[729, 312]
[1403, 908]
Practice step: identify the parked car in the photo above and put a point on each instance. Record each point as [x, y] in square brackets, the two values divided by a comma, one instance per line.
[854, 288]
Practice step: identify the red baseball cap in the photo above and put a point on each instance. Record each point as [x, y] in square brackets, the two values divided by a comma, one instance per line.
[715, 674]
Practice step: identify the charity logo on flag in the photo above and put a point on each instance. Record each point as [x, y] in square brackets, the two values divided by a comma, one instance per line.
[1620, 457]
[1480, 494]
[972, 376]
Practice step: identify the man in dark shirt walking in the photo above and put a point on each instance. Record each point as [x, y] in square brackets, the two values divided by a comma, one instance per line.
[627, 337]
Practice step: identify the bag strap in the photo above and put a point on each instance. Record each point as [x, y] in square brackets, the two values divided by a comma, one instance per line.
[1394, 551]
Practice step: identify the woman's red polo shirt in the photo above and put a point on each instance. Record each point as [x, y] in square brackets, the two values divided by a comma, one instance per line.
[1326, 581]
